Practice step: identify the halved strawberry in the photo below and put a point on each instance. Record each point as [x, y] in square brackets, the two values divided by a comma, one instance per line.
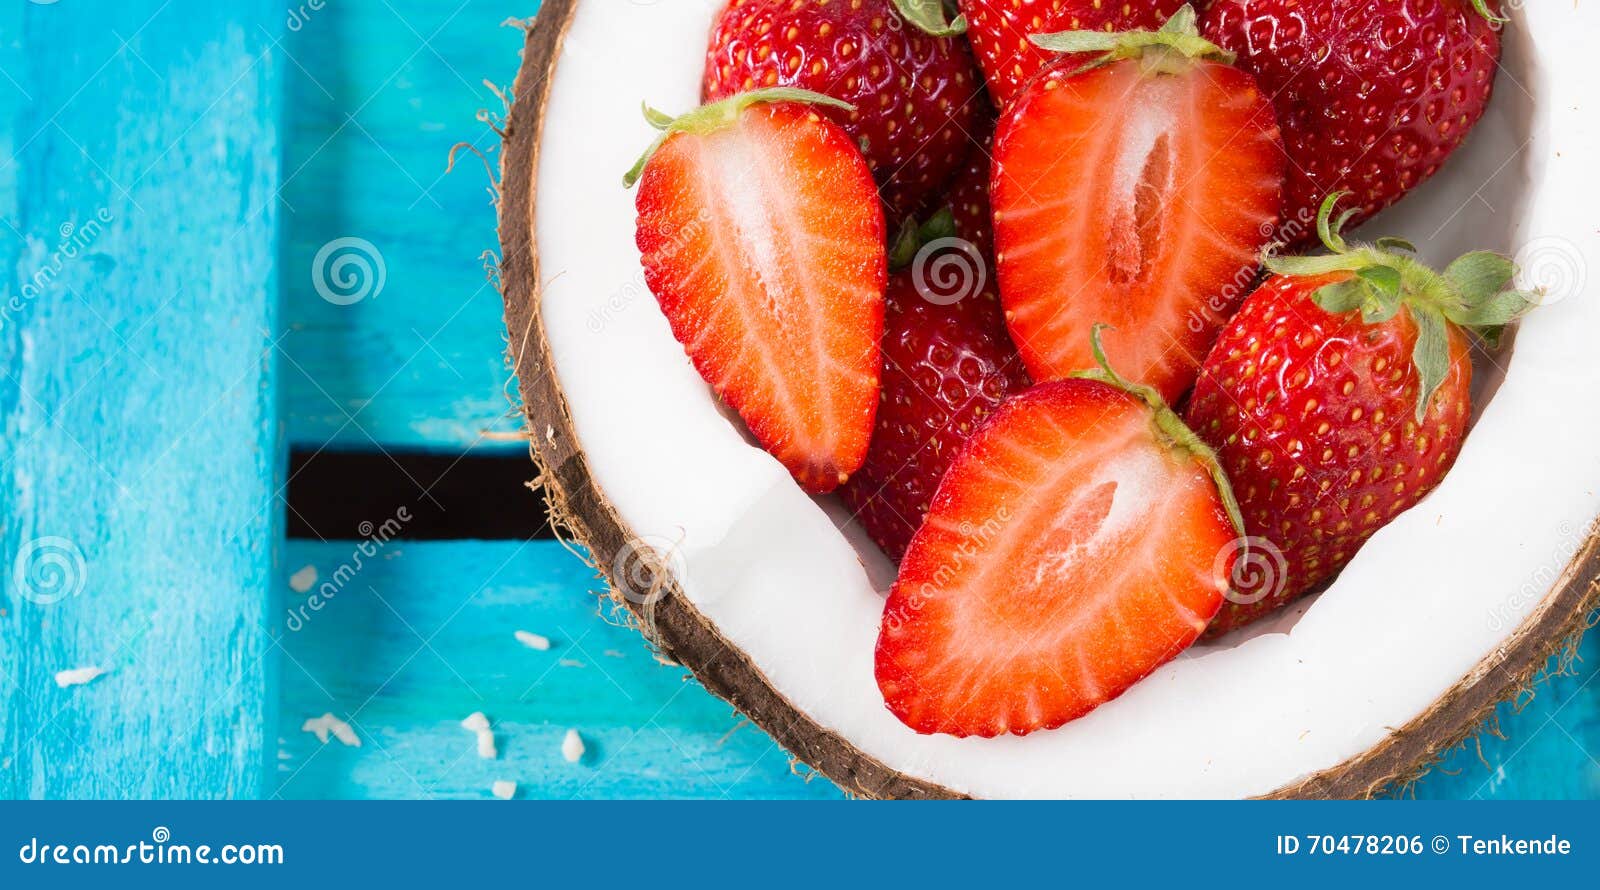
[1138, 193]
[762, 238]
[1080, 540]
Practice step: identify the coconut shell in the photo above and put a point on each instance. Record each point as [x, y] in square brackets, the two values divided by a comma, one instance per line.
[580, 512]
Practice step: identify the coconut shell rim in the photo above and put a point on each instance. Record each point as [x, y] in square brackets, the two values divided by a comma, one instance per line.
[581, 513]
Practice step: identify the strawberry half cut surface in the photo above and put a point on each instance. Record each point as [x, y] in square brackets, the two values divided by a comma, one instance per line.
[762, 238]
[1081, 539]
[1137, 193]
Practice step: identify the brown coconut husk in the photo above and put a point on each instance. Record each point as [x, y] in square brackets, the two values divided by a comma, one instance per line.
[581, 514]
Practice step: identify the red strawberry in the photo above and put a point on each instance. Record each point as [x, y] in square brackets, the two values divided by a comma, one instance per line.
[1078, 542]
[913, 90]
[967, 195]
[763, 242]
[999, 31]
[1372, 97]
[1338, 397]
[946, 367]
[1137, 193]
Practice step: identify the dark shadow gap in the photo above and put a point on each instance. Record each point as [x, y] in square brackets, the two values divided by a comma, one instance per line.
[342, 495]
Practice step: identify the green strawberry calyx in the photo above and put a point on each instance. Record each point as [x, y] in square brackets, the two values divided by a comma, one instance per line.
[1169, 426]
[913, 235]
[718, 115]
[1493, 18]
[1167, 49]
[1474, 292]
[932, 17]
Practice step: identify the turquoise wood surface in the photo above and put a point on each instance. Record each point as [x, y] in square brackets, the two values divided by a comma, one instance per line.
[1548, 746]
[420, 635]
[423, 636]
[139, 455]
[378, 92]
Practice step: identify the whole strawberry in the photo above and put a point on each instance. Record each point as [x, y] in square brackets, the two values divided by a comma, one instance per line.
[1338, 397]
[906, 70]
[1371, 97]
[999, 31]
[967, 193]
[947, 365]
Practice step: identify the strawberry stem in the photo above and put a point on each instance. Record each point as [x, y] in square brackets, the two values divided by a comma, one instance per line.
[1170, 427]
[1482, 6]
[932, 17]
[718, 115]
[1474, 292]
[1162, 51]
[912, 237]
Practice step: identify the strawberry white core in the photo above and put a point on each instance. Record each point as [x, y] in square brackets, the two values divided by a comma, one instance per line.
[1142, 178]
[733, 168]
[1094, 524]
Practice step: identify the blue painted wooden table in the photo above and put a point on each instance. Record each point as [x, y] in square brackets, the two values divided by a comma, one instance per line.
[228, 230]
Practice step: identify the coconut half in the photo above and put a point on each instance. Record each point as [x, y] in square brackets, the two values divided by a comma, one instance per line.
[773, 598]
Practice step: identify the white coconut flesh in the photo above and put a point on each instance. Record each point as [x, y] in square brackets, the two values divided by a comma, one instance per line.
[1423, 602]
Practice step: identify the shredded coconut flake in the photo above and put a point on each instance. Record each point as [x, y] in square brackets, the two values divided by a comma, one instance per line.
[478, 724]
[78, 676]
[301, 581]
[533, 640]
[327, 724]
[570, 663]
[504, 790]
[572, 746]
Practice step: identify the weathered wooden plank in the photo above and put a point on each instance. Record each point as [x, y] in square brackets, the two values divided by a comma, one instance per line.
[377, 95]
[413, 637]
[139, 452]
